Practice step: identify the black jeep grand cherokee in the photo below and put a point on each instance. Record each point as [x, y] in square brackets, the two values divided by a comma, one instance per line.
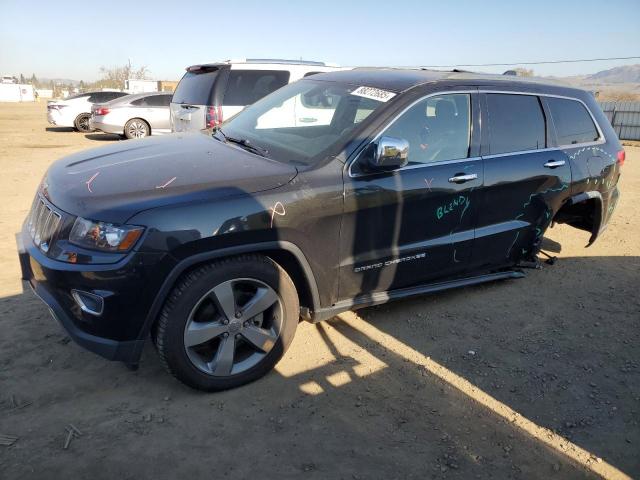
[339, 191]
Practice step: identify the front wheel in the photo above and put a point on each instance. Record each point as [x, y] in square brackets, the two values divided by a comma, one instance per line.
[136, 128]
[228, 323]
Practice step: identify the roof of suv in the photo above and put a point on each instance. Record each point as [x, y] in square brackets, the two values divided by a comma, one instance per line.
[401, 79]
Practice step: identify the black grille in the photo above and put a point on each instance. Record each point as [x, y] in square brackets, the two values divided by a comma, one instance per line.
[43, 224]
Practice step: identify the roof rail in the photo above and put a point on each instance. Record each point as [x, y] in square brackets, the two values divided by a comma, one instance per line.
[277, 60]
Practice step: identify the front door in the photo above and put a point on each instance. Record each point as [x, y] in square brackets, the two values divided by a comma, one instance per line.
[416, 224]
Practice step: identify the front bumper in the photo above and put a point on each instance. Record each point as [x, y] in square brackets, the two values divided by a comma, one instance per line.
[128, 289]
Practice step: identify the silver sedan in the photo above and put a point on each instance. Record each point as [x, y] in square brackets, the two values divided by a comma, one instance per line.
[134, 116]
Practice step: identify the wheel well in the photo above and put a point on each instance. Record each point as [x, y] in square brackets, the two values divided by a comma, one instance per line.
[139, 118]
[584, 215]
[285, 259]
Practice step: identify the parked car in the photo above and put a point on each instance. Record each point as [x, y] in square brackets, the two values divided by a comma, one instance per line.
[75, 111]
[217, 243]
[210, 93]
[134, 116]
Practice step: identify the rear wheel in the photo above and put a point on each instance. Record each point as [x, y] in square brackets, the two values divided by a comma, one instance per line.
[81, 123]
[228, 323]
[136, 128]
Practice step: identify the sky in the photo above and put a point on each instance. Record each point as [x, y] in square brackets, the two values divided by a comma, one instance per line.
[70, 40]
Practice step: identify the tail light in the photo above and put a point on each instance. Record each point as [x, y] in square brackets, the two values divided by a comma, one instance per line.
[214, 116]
[101, 111]
[621, 157]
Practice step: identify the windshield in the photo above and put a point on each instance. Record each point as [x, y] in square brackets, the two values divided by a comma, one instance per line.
[300, 122]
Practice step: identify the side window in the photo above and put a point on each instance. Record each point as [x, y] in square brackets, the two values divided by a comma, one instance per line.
[516, 123]
[308, 74]
[248, 86]
[158, 100]
[572, 121]
[437, 128]
[141, 102]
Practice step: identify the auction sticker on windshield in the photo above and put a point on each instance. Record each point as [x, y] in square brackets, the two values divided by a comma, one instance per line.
[373, 93]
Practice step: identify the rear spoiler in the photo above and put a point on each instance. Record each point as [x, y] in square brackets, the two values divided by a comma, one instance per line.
[202, 68]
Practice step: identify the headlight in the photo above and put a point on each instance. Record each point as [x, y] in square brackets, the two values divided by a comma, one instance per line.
[104, 236]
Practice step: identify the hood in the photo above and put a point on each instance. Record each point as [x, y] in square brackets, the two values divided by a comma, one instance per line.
[115, 182]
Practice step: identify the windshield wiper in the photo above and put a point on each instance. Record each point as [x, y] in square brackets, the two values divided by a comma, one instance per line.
[243, 142]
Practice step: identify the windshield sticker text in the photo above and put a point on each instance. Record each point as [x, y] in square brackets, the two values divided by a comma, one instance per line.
[373, 93]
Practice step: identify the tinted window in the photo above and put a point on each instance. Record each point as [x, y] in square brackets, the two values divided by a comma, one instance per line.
[196, 88]
[516, 123]
[158, 100]
[248, 86]
[112, 95]
[101, 97]
[437, 128]
[308, 74]
[572, 121]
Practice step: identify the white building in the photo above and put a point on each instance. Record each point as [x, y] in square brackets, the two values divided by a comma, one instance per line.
[140, 86]
[15, 92]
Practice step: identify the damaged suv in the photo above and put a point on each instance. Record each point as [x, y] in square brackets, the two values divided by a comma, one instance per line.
[215, 245]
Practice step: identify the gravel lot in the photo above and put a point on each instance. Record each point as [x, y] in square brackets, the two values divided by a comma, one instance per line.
[530, 378]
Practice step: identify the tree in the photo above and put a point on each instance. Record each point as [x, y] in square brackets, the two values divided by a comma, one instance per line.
[34, 80]
[115, 77]
[22, 79]
[81, 86]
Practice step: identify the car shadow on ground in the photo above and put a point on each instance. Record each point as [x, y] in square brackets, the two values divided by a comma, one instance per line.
[59, 129]
[371, 394]
[103, 137]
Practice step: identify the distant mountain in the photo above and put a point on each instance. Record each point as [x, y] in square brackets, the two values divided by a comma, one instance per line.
[624, 74]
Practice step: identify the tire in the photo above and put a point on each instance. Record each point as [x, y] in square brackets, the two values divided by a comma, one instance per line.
[201, 322]
[136, 128]
[81, 123]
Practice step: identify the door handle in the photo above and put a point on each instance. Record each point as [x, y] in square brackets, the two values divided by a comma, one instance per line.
[463, 178]
[554, 163]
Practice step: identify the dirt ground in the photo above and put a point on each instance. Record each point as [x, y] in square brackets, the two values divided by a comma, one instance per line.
[530, 378]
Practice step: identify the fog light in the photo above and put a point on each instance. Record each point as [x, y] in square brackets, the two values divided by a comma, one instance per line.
[88, 302]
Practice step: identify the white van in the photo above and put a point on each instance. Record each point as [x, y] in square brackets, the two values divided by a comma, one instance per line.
[211, 93]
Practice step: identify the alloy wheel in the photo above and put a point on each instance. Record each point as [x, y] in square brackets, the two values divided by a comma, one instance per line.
[137, 129]
[233, 327]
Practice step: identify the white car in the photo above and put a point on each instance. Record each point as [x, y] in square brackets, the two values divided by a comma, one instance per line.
[75, 111]
[210, 93]
[134, 116]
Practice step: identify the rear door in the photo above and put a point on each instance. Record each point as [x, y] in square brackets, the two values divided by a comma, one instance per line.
[157, 111]
[526, 179]
[197, 91]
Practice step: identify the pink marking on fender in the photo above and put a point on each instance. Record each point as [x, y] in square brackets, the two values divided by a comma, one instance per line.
[167, 184]
[88, 182]
[277, 209]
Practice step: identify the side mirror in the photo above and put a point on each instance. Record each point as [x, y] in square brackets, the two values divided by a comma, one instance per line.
[390, 154]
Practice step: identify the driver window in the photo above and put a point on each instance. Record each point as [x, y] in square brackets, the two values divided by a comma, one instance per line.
[437, 128]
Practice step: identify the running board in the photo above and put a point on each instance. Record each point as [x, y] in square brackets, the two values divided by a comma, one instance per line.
[384, 297]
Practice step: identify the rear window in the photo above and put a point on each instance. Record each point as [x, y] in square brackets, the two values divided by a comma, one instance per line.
[516, 123]
[248, 86]
[196, 88]
[572, 121]
[102, 97]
